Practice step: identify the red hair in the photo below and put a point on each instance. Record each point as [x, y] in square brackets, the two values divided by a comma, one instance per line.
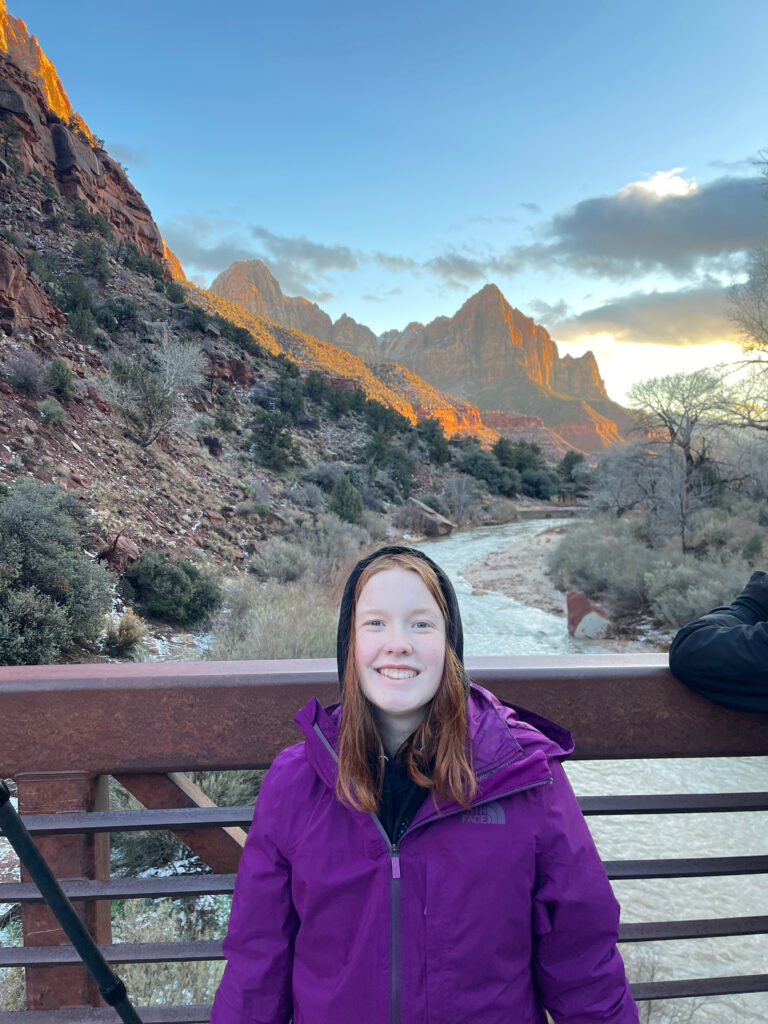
[440, 742]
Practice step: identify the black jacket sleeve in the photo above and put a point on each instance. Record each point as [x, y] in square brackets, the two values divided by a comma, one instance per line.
[724, 654]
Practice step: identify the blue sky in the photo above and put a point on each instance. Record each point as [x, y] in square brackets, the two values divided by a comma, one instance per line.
[592, 159]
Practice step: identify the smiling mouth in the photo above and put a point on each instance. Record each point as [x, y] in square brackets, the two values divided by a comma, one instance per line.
[397, 673]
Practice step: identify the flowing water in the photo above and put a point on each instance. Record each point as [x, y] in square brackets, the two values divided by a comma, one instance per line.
[496, 624]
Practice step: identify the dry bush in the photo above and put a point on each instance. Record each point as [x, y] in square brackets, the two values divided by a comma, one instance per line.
[164, 921]
[124, 632]
[270, 620]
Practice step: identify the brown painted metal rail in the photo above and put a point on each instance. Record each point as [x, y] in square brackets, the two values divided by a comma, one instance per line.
[66, 728]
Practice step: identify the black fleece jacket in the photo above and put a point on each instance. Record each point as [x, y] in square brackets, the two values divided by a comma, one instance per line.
[724, 654]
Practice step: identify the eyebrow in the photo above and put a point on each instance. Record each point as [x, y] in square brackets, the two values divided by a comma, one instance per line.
[364, 610]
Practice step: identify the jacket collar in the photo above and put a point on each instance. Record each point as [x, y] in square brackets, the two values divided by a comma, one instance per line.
[510, 745]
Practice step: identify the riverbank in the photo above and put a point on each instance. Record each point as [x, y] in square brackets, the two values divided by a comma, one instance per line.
[521, 571]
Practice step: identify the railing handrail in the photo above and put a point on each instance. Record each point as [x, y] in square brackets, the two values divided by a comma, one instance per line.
[127, 718]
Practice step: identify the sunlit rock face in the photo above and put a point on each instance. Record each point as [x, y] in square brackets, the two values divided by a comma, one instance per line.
[497, 358]
[58, 143]
[24, 50]
[250, 284]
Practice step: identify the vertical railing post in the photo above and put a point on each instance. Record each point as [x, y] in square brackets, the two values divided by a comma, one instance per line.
[69, 856]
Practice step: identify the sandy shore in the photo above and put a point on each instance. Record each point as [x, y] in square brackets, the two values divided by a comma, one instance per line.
[520, 571]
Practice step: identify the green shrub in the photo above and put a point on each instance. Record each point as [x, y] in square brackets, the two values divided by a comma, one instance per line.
[75, 293]
[271, 441]
[49, 190]
[346, 501]
[281, 560]
[174, 291]
[679, 593]
[81, 323]
[134, 259]
[51, 411]
[196, 318]
[93, 257]
[116, 314]
[431, 433]
[60, 378]
[752, 549]
[39, 265]
[438, 503]
[90, 222]
[51, 594]
[172, 590]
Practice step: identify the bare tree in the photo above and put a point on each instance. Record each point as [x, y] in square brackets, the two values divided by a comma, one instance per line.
[679, 407]
[149, 389]
[749, 301]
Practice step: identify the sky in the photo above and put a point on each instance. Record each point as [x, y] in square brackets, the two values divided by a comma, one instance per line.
[595, 160]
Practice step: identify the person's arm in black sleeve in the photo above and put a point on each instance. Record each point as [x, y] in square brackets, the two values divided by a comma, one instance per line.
[724, 654]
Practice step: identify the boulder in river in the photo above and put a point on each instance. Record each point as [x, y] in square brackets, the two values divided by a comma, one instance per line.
[587, 620]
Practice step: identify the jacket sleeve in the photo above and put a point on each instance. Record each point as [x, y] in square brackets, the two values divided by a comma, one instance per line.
[257, 981]
[724, 655]
[578, 970]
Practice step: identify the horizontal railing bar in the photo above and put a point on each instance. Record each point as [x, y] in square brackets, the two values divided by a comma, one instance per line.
[193, 817]
[206, 884]
[235, 713]
[193, 1014]
[715, 927]
[175, 952]
[124, 888]
[689, 867]
[117, 953]
[136, 821]
[674, 803]
[736, 984]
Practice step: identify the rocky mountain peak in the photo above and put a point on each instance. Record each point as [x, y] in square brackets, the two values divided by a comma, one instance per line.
[25, 51]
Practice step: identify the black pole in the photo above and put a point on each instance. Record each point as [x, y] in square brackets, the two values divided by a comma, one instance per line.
[111, 987]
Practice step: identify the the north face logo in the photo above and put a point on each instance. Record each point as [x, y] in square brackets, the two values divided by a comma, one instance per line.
[486, 814]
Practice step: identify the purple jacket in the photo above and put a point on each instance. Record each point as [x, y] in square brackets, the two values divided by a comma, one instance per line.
[483, 916]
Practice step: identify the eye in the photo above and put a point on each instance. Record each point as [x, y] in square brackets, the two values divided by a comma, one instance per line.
[422, 624]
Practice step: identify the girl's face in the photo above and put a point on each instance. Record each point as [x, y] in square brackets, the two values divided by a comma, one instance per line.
[399, 645]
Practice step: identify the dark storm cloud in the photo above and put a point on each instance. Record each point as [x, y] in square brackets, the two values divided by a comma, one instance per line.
[636, 231]
[690, 316]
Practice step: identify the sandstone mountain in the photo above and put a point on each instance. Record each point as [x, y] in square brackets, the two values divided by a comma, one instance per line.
[488, 354]
[251, 285]
[496, 357]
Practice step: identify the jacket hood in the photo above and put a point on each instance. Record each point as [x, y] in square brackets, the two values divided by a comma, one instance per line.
[455, 632]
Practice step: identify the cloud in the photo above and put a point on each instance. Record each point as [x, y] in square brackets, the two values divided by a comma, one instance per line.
[452, 267]
[697, 315]
[394, 263]
[533, 207]
[203, 242]
[127, 155]
[372, 298]
[664, 222]
[305, 255]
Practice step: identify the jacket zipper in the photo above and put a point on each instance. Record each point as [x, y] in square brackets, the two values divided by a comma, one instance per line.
[394, 855]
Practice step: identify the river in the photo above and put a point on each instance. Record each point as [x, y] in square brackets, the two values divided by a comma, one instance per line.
[496, 624]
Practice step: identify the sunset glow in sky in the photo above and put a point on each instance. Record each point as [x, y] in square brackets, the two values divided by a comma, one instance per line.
[594, 160]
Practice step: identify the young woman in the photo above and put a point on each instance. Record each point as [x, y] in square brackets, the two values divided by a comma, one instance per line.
[420, 857]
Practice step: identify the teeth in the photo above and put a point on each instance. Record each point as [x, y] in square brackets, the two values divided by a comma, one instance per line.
[398, 673]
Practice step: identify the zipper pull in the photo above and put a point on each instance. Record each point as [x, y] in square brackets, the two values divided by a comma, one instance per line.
[395, 862]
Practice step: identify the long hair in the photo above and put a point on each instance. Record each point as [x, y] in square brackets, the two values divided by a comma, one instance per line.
[439, 741]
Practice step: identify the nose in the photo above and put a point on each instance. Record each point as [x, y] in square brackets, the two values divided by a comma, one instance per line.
[397, 641]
